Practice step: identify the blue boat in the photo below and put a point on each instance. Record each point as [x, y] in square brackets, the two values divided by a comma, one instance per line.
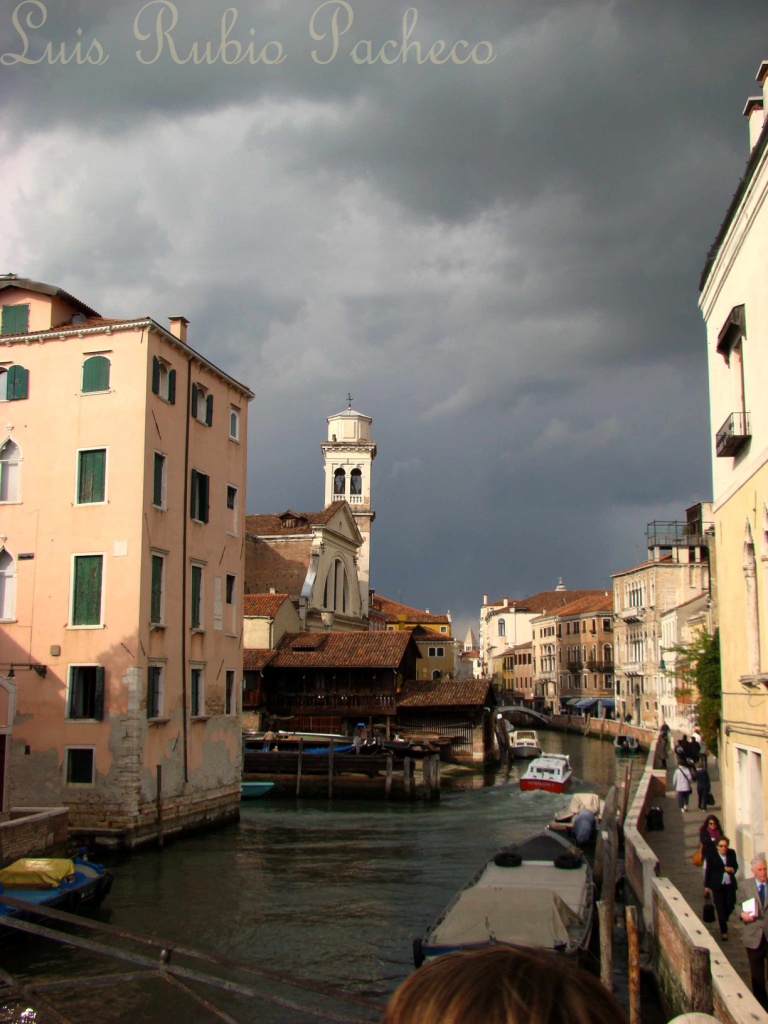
[65, 884]
[253, 790]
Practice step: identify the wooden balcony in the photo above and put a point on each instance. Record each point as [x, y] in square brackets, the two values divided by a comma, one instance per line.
[333, 703]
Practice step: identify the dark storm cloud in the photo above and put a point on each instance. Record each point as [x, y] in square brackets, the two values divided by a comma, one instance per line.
[499, 261]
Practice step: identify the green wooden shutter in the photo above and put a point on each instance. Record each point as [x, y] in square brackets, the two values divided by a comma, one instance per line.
[15, 319]
[17, 384]
[156, 599]
[91, 476]
[155, 375]
[96, 374]
[98, 693]
[153, 691]
[197, 579]
[209, 410]
[194, 400]
[193, 495]
[86, 604]
[157, 485]
[172, 387]
[203, 498]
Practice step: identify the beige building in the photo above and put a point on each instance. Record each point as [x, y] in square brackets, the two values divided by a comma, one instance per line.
[431, 631]
[676, 572]
[734, 304]
[123, 463]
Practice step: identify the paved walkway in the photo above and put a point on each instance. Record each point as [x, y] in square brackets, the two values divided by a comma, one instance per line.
[675, 847]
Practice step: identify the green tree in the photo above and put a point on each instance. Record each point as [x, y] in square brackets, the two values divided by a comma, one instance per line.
[698, 666]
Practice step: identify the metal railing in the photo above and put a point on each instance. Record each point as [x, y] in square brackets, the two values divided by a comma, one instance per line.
[733, 435]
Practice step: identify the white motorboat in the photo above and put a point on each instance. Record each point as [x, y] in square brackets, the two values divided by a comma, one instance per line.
[551, 772]
[524, 743]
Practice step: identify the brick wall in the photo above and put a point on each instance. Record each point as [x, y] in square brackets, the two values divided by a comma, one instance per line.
[32, 832]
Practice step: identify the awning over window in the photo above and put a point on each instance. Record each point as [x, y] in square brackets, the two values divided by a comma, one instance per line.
[573, 700]
[607, 702]
[586, 702]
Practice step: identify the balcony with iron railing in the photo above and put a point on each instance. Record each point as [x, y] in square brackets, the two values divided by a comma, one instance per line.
[600, 665]
[733, 435]
[676, 534]
[576, 666]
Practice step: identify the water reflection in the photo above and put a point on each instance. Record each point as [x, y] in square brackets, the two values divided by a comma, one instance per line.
[330, 892]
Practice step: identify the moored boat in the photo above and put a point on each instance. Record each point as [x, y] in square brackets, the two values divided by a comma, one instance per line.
[537, 893]
[551, 772]
[524, 743]
[253, 790]
[65, 884]
[625, 745]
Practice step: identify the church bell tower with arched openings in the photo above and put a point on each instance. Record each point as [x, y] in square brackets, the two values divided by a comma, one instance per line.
[348, 455]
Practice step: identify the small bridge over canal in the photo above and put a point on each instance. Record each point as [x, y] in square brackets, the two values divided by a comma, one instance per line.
[521, 709]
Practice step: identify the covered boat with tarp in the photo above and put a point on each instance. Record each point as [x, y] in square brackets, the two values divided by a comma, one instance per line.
[71, 884]
[538, 893]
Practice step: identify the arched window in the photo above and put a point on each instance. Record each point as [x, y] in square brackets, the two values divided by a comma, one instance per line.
[10, 459]
[96, 374]
[356, 482]
[7, 586]
[339, 481]
[502, 627]
[336, 590]
[607, 653]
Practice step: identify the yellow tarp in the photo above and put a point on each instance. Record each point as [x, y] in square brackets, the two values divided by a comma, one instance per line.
[36, 873]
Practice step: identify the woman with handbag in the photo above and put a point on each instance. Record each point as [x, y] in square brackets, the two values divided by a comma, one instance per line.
[683, 783]
[720, 867]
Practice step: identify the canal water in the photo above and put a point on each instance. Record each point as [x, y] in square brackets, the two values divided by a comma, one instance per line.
[328, 893]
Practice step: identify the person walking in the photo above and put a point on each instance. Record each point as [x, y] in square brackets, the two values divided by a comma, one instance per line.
[720, 867]
[703, 787]
[710, 832]
[682, 781]
[755, 931]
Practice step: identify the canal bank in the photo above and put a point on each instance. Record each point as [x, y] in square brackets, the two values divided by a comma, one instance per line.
[695, 972]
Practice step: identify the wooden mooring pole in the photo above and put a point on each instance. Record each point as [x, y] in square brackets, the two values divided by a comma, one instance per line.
[330, 770]
[159, 799]
[407, 769]
[388, 784]
[298, 766]
[426, 775]
[625, 794]
[633, 977]
[605, 922]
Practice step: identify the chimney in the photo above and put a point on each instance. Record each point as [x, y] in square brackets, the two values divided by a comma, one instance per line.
[753, 111]
[485, 599]
[177, 325]
[506, 602]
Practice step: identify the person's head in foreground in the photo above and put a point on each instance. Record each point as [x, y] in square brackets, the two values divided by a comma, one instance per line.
[502, 985]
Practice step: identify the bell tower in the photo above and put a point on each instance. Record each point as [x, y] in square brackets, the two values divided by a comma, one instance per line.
[348, 455]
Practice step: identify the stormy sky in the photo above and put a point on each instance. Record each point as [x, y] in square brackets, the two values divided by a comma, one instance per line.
[497, 255]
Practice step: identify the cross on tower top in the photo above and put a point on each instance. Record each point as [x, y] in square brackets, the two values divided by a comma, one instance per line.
[349, 400]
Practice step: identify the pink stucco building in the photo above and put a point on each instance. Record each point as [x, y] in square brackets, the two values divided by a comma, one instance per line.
[122, 499]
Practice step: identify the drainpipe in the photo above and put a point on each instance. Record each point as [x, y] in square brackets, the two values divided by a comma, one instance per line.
[185, 755]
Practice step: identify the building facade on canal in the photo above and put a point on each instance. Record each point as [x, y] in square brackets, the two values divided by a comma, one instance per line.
[123, 464]
[676, 575]
[734, 303]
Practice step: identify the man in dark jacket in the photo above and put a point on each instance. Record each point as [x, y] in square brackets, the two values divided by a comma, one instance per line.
[703, 786]
[755, 931]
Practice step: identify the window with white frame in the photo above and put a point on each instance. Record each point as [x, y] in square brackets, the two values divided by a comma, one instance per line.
[196, 694]
[155, 693]
[91, 476]
[230, 706]
[10, 471]
[198, 497]
[87, 585]
[234, 424]
[163, 380]
[502, 627]
[7, 586]
[14, 383]
[157, 590]
[230, 597]
[85, 698]
[196, 597]
[79, 766]
[160, 481]
[202, 405]
[231, 509]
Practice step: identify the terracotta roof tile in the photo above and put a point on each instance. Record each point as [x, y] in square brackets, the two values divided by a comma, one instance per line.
[444, 693]
[394, 611]
[263, 605]
[272, 525]
[646, 564]
[255, 659]
[361, 649]
[549, 600]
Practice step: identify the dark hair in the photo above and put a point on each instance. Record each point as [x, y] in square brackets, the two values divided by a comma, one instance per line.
[503, 985]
